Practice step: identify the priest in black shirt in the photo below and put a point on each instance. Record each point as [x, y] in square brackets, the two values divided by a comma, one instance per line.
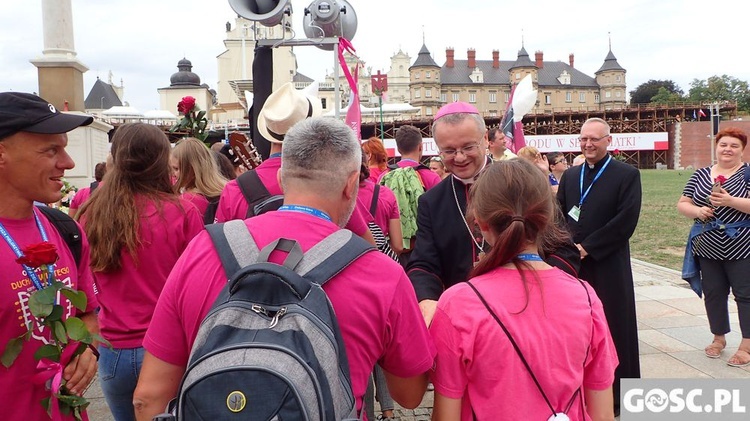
[602, 201]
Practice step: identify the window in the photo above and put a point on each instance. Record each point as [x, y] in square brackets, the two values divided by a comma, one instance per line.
[493, 113]
[418, 93]
[596, 98]
[507, 97]
[323, 103]
[443, 97]
[455, 96]
[618, 94]
[548, 99]
[493, 97]
[428, 111]
[582, 97]
[518, 76]
[427, 75]
[608, 94]
[618, 78]
[472, 97]
[416, 75]
[568, 96]
[428, 93]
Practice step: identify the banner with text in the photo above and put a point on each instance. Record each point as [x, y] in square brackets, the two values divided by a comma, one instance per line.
[565, 143]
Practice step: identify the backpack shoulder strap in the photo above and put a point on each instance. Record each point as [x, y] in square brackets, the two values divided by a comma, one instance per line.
[234, 244]
[68, 229]
[374, 203]
[333, 254]
[252, 189]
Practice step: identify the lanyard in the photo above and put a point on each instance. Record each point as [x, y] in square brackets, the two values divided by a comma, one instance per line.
[599, 174]
[528, 257]
[17, 251]
[306, 209]
[275, 155]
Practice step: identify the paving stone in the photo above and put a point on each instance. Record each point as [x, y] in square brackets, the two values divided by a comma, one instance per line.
[662, 342]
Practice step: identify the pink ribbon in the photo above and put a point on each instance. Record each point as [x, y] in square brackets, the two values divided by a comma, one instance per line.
[353, 114]
[54, 371]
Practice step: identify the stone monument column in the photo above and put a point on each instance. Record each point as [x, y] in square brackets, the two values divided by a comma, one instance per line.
[60, 72]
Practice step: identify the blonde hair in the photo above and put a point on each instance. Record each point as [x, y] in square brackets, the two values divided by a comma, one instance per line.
[198, 169]
[528, 153]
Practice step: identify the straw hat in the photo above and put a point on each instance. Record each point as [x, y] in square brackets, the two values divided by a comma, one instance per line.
[283, 109]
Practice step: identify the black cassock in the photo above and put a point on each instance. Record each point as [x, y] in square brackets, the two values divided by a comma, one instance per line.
[444, 251]
[608, 217]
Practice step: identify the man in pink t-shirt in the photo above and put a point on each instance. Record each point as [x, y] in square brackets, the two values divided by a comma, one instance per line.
[374, 302]
[409, 144]
[33, 162]
[276, 118]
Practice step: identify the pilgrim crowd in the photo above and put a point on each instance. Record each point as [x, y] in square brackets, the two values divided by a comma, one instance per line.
[501, 279]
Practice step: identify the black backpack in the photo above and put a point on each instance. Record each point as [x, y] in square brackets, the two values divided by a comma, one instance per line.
[259, 199]
[68, 229]
[270, 348]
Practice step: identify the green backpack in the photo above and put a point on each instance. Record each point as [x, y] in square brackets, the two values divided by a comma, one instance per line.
[407, 186]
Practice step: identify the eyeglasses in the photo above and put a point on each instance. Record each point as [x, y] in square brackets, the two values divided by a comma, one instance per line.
[562, 161]
[584, 140]
[466, 151]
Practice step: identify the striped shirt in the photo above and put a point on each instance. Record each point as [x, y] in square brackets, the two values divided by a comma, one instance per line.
[715, 244]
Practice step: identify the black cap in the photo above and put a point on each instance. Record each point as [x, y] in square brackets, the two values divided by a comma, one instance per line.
[22, 112]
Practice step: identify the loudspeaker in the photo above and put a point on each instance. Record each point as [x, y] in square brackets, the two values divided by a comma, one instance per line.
[266, 12]
[329, 18]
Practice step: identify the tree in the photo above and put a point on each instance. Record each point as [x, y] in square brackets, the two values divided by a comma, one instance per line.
[721, 88]
[663, 96]
[645, 91]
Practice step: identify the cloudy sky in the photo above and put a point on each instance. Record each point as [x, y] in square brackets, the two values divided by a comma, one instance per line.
[140, 41]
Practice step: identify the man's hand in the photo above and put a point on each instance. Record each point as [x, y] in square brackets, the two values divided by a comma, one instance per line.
[582, 250]
[428, 308]
[80, 372]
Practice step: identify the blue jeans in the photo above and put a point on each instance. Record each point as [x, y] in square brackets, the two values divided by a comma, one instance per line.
[118, 375]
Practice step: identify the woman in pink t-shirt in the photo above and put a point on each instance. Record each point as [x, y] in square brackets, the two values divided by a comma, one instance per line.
[198, 176]
[137, 227]
[376, 156]
[519, 321]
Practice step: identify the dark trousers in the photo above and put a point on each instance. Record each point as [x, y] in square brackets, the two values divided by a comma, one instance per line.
[718, 276]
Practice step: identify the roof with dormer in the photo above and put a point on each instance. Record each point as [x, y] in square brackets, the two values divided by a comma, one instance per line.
[610, 63]
[547, 76]
[424, 59]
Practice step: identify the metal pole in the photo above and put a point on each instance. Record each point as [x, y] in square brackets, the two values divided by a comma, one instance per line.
[244, 59]
[711, 129]
[380, 100]
[336, 95]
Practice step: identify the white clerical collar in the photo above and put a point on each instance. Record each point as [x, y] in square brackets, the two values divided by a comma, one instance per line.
[472, 179]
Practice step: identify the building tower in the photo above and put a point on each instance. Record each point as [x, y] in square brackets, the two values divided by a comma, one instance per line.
[60, 72]
[522, 67]
[611, 80]
[424, 83]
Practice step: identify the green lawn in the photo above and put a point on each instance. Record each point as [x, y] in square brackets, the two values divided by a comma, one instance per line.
[661, 233]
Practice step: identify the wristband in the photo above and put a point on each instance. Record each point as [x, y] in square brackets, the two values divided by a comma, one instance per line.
[94, 351]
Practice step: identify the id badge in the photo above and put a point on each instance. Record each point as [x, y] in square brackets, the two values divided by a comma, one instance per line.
[575, 213]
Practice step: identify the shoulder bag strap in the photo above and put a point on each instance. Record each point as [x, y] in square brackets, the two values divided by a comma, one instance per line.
[68, 229]
[374, 203]
[252, 189]
[515, 346]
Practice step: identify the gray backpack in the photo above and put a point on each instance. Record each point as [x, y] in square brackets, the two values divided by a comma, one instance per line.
[270, 347]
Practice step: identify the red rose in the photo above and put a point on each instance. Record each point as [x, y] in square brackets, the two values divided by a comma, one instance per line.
[720, 179]
[186, 105]
[35, 255]
[616, 151]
